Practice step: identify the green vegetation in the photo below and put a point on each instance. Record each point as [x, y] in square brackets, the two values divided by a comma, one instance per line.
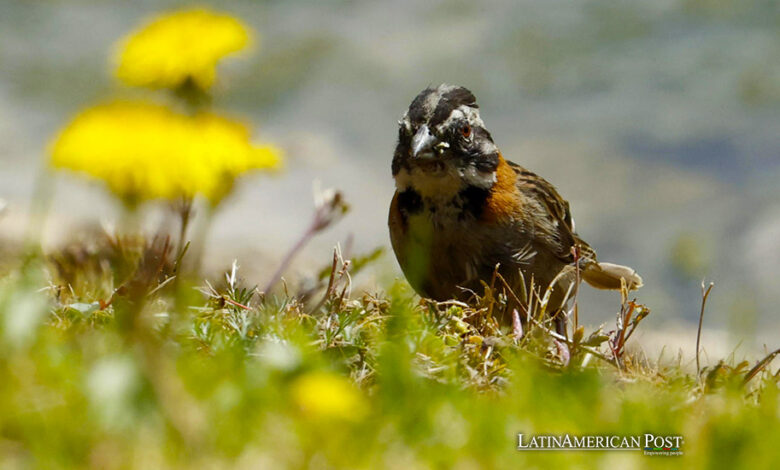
[110, 358]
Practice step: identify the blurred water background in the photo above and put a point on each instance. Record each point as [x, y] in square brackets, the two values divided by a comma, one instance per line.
[659, 121]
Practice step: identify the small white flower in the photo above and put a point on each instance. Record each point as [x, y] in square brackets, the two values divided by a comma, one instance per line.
[329, 206]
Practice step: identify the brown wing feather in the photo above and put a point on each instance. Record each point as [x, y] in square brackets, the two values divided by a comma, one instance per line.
[397, 224]
[553, 220]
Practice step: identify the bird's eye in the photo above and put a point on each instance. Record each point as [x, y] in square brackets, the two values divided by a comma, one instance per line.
[465, 130]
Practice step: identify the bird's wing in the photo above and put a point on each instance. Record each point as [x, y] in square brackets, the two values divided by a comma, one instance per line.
[551, 216]
[397, 225]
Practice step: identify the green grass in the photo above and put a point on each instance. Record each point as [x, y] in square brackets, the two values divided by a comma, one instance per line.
[110, 358]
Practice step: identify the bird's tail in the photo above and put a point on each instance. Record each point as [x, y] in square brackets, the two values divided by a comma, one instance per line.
[608, 275]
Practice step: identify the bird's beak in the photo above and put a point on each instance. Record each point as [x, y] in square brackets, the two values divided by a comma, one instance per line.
[423, 143]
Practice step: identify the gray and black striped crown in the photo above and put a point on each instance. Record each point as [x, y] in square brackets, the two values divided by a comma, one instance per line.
[434, 104]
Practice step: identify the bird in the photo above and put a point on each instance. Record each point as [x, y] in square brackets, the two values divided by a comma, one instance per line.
[462, 212]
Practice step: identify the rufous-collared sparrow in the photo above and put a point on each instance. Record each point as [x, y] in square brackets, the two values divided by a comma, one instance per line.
[460, 209]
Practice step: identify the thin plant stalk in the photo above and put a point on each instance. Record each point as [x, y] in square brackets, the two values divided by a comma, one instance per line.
[184, 209]
[705, 292]
[329, 207]
[198, 244]
[288, 258]
[577, 280]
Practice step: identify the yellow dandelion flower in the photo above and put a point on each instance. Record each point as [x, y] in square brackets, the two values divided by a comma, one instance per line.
[179, 47]
[144, 151]
[328, 396]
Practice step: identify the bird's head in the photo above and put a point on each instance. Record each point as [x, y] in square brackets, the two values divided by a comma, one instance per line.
[443, 145]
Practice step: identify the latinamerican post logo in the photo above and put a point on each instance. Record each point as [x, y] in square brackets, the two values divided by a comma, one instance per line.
[648, 443]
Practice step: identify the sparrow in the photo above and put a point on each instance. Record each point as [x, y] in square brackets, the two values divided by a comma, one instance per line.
[461, 211]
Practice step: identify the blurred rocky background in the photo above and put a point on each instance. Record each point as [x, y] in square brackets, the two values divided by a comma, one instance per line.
[659, 121]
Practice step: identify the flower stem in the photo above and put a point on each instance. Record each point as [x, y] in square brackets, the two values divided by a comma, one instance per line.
[287, 260]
